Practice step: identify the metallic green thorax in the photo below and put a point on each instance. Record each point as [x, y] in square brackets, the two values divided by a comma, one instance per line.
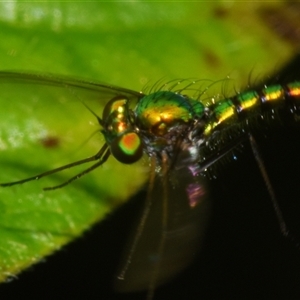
[161, 111]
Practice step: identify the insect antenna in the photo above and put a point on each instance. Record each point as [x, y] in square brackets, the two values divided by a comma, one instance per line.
[100, 121]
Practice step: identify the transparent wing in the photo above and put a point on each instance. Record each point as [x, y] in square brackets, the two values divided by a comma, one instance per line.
[97, 91]
[172, 232]
[49, 110]
[44, 125]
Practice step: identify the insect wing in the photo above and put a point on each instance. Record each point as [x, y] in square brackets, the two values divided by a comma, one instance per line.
[172, 233]
[48, 111]
[44, 125]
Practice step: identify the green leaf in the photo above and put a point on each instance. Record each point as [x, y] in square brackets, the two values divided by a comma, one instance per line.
[121, 43]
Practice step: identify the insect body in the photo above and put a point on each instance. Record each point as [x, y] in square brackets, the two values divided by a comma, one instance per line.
[162, 119]
[181, 136]
[167, 121]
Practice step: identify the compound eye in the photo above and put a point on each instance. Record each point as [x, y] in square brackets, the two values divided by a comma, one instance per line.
[115, 107]
[127, 148]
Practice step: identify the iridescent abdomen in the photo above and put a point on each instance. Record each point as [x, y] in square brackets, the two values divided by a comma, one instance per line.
[231, 111]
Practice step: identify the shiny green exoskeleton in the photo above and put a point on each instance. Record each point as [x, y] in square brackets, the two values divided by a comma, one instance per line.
[173, 128]
[163, 118]
[242, 106]
[166, 120]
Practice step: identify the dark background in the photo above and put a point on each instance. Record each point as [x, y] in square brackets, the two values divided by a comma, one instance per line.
[244, 255]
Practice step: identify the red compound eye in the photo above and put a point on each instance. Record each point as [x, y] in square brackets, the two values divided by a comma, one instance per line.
[127, 148]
